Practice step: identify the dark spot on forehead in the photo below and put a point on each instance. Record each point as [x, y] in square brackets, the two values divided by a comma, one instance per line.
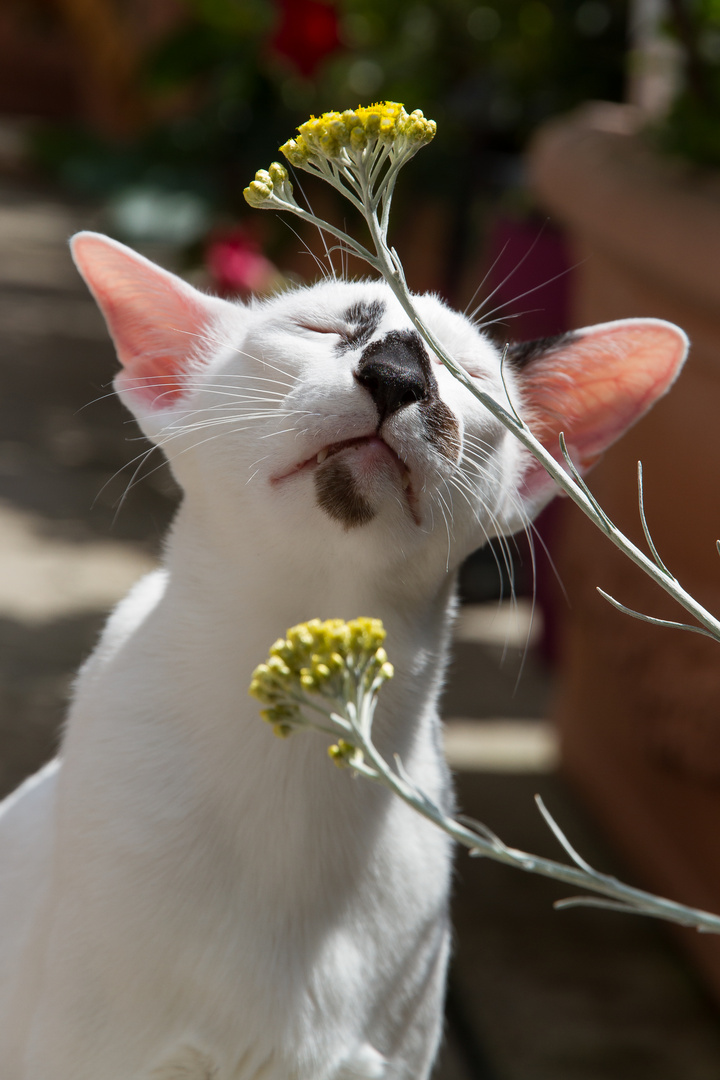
[337, 493]
[365, 313]
[362, 320]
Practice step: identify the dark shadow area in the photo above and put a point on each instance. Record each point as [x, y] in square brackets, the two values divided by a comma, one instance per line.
[66, 441]
[493, 682]
[576, 994]
[37, 667]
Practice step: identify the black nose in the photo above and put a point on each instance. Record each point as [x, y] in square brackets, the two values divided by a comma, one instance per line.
[395, 371]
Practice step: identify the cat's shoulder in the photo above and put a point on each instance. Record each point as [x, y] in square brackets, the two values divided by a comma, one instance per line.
[129, 614]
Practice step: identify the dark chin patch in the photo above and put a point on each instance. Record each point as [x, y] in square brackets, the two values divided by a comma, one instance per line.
[337, 494]
[441, 428]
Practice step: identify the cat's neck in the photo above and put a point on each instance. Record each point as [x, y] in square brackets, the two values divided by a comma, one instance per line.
[187, 667]
[213, 626]
[256, 588]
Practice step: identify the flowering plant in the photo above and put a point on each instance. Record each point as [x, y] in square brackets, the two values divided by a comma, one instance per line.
[326, 676]
[237, 265]
[360, 153]
[365, 171]
[342, 664]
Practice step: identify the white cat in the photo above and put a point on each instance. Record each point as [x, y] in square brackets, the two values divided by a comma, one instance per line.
[186, 896]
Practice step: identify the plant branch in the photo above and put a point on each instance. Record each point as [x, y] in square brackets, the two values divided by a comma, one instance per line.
[386, 261]
[354, 709]
[483, 843]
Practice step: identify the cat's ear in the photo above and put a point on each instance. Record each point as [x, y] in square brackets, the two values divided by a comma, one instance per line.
[592, 385]
[159, 324]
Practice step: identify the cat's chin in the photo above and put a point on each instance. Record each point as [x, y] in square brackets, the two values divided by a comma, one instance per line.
[353, 478]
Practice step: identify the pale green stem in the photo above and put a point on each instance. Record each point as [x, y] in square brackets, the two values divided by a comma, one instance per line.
[331, 173]
[388, 264]
[356, 715]
[375, 171]
[305, 215]
[387, 193]
[581, 876]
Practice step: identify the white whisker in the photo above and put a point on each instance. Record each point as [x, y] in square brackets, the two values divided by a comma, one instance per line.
[507, 277]
[318, 262]
[486, 275]
[298, 182]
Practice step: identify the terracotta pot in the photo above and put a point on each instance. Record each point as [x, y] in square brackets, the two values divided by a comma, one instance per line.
[639, 706]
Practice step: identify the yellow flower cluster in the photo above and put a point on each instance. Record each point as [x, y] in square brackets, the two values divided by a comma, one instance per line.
[327, 136]
[317, 658]
[269, 182]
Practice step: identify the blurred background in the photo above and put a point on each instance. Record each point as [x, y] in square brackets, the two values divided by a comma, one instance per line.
[574, 179]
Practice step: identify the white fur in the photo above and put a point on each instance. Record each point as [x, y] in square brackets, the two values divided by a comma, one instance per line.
[187, 896]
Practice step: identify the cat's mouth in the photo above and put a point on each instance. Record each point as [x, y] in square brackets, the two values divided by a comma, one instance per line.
[372, 452]
[373, 442]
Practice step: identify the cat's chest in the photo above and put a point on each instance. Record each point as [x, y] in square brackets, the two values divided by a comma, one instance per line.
[362, 1062]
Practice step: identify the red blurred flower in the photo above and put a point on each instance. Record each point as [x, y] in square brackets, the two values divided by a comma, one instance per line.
[307, 32]
[237, 265]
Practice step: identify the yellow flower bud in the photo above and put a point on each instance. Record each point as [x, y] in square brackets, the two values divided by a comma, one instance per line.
[295, 152]
[338, 636]
[281, 714]
[300, 637]
[257, 194]
[351, 120]
[278, 667]
[337, 757]
[344, 752]
[278, 173]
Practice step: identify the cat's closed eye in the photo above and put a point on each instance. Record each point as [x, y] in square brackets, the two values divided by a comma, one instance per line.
[317, 328]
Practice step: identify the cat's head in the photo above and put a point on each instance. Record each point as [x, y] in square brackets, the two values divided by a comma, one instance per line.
[320, 412]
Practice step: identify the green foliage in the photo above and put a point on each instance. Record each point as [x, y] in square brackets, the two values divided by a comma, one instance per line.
[489, 72]
[495, 69]
[692, 130]
[692, 127]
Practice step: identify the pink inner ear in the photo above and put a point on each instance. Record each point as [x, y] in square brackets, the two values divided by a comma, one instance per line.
[155, 320]
[599, 384]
